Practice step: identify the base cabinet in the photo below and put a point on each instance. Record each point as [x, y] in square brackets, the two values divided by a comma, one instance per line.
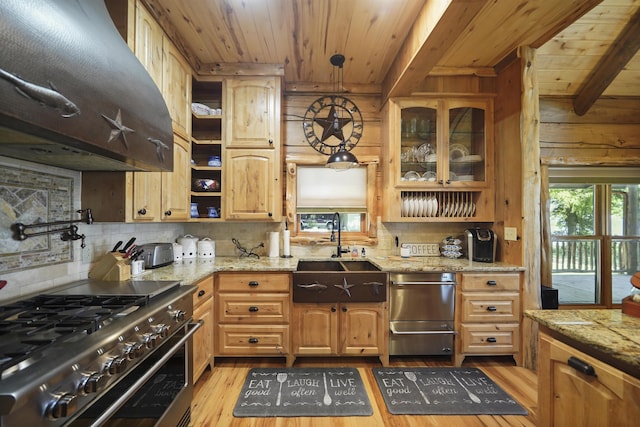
[252, 314]
[569, 397]
[341, 329]
[488, 315]
[203, 338]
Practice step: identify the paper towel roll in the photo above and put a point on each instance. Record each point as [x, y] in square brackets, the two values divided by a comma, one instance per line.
[274, 244]
[286, 243]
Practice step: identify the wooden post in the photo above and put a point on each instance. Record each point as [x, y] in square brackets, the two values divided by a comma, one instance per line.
[531, 201]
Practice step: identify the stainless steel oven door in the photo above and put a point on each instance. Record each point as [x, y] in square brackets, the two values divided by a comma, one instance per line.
[156, 393]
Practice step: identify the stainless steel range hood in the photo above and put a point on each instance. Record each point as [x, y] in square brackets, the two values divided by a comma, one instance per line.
[73, 95]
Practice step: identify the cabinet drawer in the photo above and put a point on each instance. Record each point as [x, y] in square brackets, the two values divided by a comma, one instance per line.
[254, 282]
[247, 340]
[204, 291]
[252, 308]
[490, 339]
[490, 282]
[490, 307]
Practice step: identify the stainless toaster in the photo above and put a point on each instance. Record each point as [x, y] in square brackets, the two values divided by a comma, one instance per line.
[156, 254]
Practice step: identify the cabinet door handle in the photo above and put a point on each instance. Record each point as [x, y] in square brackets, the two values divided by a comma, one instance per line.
[253, 340]
[271, 142]
[270, 214]
[201, 293]
[333, 309]
[168, 213]
[253, 309]
[491, 283]
[581, 366]
[253, 283]
[492, 308]
[142, 211]
[492, 340]
[344, 309]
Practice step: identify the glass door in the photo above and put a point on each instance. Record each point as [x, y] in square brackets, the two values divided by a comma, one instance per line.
[418, 144]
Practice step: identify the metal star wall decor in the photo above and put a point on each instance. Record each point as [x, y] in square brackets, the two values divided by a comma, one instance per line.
[118, 130]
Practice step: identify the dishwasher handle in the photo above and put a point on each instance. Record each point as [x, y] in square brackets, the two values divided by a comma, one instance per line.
[421, 283]
[395, 331]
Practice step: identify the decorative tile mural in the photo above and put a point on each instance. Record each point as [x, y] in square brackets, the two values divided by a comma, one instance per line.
[29, 197]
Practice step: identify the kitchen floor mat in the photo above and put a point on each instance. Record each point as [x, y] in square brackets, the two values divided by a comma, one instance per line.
[303, 392]
[443, 391]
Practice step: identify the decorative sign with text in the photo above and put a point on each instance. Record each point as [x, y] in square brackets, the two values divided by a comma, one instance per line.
[303, 392]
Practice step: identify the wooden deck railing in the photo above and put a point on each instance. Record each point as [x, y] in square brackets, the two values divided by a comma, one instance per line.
[583, 255]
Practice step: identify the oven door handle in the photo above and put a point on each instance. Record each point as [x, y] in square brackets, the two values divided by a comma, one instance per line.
[426, 332]
[111, 410]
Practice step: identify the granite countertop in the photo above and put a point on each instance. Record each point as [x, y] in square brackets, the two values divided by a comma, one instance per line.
[608, 335]
[192, 270]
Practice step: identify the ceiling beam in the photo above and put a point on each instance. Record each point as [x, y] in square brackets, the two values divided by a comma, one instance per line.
[436, 28]
[619, 54]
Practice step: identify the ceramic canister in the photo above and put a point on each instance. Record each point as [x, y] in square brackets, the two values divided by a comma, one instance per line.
[177, 252]
[206, 248]
[189, 248]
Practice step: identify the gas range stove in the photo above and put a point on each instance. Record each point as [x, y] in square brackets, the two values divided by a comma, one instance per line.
[62, 350]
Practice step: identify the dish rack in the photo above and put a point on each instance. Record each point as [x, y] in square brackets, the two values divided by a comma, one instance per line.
[430, 204]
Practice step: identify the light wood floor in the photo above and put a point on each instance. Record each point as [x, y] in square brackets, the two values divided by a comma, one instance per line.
[216, 392]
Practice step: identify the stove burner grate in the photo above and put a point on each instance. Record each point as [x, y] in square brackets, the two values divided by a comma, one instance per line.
[30, 326]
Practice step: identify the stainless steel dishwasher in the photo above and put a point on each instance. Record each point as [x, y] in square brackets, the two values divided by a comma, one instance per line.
[421, 308]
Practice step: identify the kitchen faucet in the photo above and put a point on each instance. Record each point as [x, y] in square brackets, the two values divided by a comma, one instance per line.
[339, 250]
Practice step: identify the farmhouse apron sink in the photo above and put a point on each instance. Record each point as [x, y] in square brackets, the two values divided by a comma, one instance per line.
[339, 281]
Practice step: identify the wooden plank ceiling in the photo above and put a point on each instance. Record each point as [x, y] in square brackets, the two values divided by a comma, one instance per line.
[586, 48]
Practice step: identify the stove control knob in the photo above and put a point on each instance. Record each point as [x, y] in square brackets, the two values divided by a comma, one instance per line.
[150, 340]
[92, 382]
[134, 350]
[179, 315]
[162, 330]
[63, 406]
[116, 365]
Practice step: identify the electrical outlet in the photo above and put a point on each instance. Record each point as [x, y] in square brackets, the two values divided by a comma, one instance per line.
[510, 233]
[86, 255]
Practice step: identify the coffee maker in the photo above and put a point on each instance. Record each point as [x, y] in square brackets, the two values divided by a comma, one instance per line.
[481, 244]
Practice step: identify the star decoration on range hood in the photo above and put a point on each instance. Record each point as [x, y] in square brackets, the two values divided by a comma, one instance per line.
[118, 130]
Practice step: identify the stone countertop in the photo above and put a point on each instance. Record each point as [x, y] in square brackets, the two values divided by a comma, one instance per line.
[608, 335]
[192, 270]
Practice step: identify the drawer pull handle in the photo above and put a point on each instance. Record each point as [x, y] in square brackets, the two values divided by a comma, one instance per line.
[253, 283]
[253, 340]
[201, 293]
[492, 340]
[253, 309]
[492, 308]
[491, 283]
[581, 366]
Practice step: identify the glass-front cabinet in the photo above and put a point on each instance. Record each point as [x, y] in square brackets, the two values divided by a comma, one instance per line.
[440, 159]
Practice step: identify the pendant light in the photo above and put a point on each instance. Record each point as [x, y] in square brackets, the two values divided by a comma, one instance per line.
[342, 158]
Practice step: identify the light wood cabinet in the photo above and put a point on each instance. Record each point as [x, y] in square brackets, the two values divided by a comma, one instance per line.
[340, 329]
[488, 315]
[251, 164]
[203, 338]
[567, 396]
[439, 160]
[141, 196]
[252, 185]
[252, 109]
[252, 314]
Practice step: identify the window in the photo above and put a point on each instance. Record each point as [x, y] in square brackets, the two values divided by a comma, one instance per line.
[595, 234]
[315, 193]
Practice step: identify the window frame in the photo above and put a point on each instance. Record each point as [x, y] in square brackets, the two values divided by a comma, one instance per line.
[367, 237]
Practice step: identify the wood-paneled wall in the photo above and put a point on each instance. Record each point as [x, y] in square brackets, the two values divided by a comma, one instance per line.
[607, 135]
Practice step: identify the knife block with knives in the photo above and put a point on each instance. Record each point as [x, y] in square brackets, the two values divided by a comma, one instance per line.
[112, 267]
